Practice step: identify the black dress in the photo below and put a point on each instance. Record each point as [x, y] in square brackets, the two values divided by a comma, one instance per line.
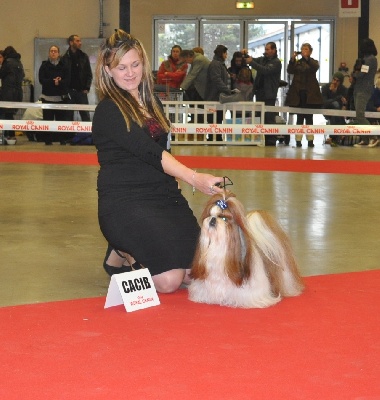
[141, 210]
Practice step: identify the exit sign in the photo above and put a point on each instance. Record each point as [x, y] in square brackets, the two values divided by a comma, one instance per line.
[350, 3]
[245, 4]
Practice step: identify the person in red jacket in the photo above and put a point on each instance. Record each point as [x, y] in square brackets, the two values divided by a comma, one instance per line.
[172, 71]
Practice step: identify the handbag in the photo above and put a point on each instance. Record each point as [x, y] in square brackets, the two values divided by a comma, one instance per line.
[231, 98]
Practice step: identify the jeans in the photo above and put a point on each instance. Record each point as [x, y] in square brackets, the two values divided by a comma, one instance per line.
[361, 100]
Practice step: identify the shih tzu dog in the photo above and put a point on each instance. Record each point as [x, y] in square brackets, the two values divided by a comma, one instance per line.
[242, 260]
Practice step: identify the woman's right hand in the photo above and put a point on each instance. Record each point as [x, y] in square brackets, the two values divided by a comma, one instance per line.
[206, 183]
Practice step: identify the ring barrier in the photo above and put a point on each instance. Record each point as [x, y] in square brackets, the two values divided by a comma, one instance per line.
[241, 125]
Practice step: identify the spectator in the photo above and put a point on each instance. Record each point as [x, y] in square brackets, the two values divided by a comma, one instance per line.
[304, 91]
[79, 66]
[217, 83]
[374, 106]
[142, 212]
[199, 50]
[334, 95]
[237, 63]
[267, 82]
[244, 84]
[172, 71]
[350, 96]
[54, 77]
[197, 75]
[195, 81]
[11, 75]
[364, 73]
[1, 57]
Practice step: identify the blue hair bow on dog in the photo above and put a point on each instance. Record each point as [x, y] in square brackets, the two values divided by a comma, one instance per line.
[222, 204]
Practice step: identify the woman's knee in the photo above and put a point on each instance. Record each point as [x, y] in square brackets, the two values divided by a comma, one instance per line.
[170, 281]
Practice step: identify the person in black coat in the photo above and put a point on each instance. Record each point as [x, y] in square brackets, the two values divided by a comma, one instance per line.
[79, 66]
[11, 75]
[54, 78]
[142, 212]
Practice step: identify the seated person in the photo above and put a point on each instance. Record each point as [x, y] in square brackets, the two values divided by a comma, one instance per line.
[374, 106]
[334, 95]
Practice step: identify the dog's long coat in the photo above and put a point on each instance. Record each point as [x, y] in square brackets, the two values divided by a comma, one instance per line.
[242, 260]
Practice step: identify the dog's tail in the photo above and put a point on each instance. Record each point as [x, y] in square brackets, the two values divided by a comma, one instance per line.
[276, 247]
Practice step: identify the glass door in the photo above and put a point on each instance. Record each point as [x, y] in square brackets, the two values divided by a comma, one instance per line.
[171, 32]
[227, 33]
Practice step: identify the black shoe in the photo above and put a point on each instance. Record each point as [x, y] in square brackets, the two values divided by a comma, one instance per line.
[298, 144]
[48, 143]
[114, 270]
[310, 143]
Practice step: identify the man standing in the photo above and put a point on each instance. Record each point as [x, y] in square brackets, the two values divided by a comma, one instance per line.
[197, 75]
[195, 81]
[80, 75]
[267, 82]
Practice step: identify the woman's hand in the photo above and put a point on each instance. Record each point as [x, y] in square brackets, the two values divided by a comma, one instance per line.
[207, 183]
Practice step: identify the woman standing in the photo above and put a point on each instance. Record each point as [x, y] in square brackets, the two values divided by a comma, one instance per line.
[142, 213]
[218, 82]
[54, 76]
[172, 71]
[304, 91]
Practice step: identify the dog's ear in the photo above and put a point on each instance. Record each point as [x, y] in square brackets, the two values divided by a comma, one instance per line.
[239, 258]
[198, 267]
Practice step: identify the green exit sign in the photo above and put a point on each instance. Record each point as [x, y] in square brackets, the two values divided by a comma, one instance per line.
[245, 4]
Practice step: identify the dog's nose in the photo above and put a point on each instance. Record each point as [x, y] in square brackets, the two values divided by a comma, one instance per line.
[212, 221]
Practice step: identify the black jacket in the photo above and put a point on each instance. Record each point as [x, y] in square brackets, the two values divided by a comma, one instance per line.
[48, 72]
[11, 75]
[83, 68]
[268, 76]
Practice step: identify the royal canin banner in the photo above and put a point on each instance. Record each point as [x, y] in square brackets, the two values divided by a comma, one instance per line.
[349, 8]
[202, 129]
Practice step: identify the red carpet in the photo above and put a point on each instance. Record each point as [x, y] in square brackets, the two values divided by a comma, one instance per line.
[322, 345]
[226, 163]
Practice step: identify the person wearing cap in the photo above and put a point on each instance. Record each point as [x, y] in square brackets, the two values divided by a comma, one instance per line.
[334, 95]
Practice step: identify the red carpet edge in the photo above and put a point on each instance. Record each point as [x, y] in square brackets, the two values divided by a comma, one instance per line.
[219, 163]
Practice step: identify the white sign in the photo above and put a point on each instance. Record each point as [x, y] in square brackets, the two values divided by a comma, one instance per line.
[135, 289]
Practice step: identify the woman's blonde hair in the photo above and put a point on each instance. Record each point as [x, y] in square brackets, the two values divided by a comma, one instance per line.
[110, 54]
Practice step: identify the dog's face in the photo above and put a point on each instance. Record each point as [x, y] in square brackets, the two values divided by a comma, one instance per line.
[223, 241]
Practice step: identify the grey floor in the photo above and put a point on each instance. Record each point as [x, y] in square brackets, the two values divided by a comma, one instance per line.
[51, 247]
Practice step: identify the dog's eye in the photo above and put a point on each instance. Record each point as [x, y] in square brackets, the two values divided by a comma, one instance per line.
[225, 219]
